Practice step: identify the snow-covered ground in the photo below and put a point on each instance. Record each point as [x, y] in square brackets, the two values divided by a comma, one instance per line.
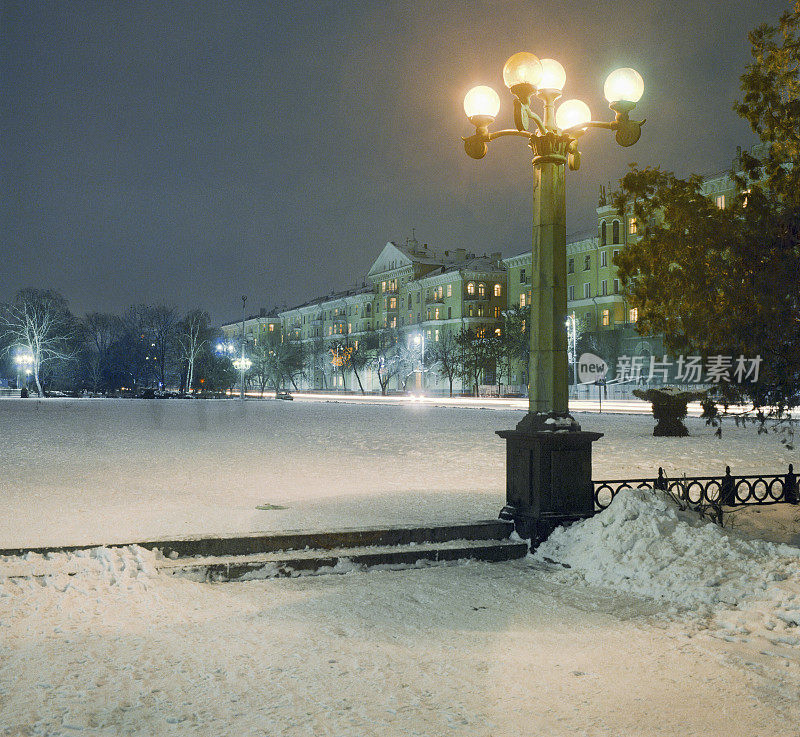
[120, 471]
[661, 624]
[527, 647]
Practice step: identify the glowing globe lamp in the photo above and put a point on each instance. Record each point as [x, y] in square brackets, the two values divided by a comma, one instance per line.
[481, 102]
[572, 113]
[553, 75]
[623, 85]
[522, 68]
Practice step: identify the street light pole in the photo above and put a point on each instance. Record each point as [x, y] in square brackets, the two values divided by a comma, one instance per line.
[242, 360]
[574, 342]
[548, 457]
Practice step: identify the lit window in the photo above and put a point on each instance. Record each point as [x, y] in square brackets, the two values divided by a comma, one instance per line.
[349, 328]
[383, 286]
[522, 300]
[497, 313]
[449, 290]
[633, 314]
[471, 288]
[721, 201]
[481, 290]
[271, 328]
[497, 332]
[498, 290]
[606, 317]
[436, 336]
[632, 226]
[480, 310]
[436, 314]
[745, 197]
[469, 311]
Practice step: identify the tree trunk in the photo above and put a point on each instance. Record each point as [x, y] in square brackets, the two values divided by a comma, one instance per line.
[358, 379]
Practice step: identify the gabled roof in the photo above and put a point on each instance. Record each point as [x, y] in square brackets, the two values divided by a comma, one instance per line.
[391, 257]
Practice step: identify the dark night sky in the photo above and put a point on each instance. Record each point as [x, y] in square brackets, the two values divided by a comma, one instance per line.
[190, 152]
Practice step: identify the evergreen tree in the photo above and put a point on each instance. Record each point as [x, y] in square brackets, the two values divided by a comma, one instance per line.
[725, 281]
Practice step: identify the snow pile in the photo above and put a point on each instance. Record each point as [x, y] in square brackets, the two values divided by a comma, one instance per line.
[95, 570]
[643, 544]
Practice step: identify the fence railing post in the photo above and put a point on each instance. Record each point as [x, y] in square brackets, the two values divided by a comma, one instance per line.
[790, 486]
[727, 491]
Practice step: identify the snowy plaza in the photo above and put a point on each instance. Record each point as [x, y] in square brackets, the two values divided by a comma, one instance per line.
[641, 621]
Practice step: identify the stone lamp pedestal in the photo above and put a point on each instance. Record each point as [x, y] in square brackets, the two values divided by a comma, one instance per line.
[548, 474]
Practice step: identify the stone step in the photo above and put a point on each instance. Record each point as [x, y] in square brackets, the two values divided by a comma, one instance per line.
[264, 542]
[338, 560]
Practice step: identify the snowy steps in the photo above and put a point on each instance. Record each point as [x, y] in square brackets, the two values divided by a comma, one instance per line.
[267, 556]
[339, 560]
[261, 555]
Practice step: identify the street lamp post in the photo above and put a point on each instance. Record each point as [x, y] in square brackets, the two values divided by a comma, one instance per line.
[548, 456]
[573, 336]
[242, 359]
[24, 362]
[419, 339]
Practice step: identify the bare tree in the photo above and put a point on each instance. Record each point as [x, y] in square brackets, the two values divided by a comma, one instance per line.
[40, 323]
[163, 335]
[475, 358]
[193, 335]
[445, 357]
[318, 360]
[385, 357]
[100, 330]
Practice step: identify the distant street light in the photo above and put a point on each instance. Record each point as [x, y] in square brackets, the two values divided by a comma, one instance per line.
[419, 339]
[573, 336]
[549, 457]
[243, 360]
[24, 363]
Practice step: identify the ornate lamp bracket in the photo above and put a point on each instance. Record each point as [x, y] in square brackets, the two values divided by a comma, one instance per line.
[551, 148]
[627, 131]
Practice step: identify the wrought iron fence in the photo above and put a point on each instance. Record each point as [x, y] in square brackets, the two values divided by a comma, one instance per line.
[724, 490]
